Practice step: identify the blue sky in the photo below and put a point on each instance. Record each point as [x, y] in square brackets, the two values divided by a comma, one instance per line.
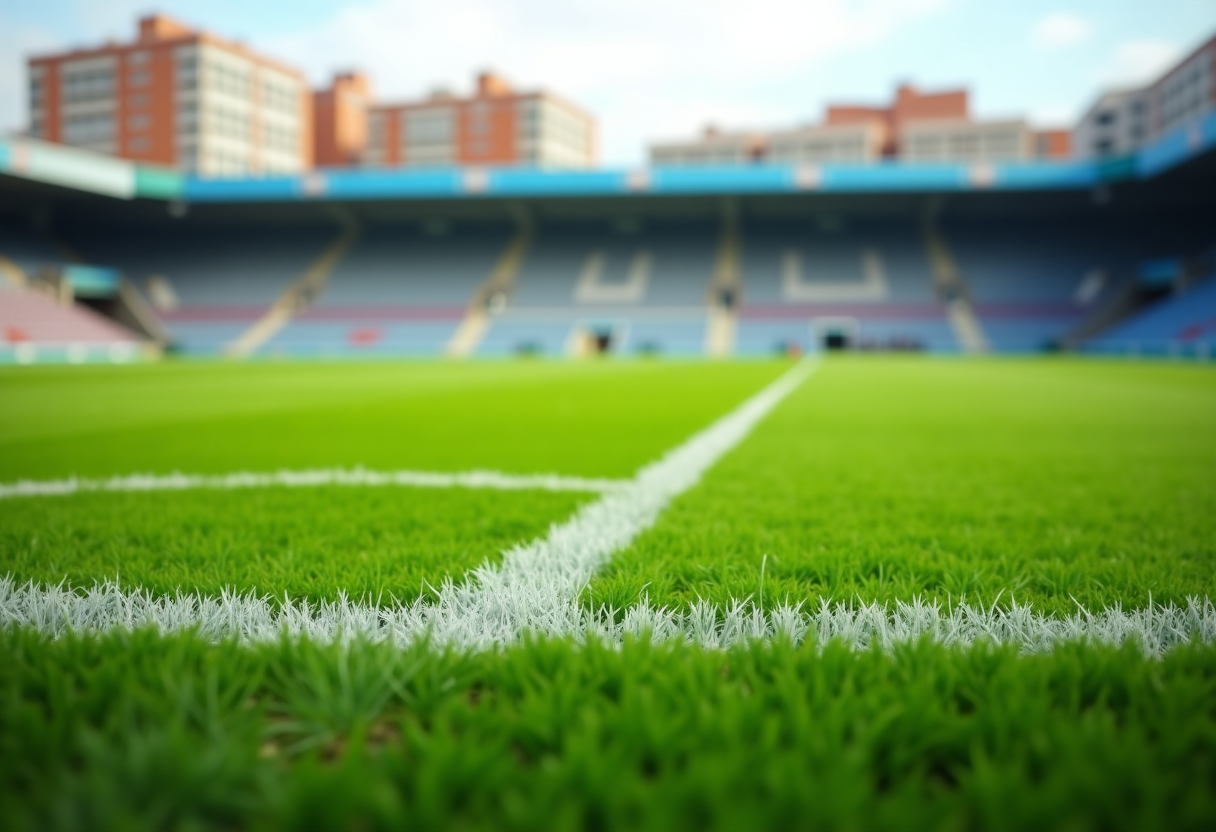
[653, 69]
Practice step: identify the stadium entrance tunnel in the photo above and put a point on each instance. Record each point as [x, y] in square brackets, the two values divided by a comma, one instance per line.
[836, 341]
[835, 334]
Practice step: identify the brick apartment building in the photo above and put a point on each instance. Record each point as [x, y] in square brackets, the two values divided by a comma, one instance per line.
[186, 98]
[175, 96]
[916, 126]
[340, 120]
[496, 125]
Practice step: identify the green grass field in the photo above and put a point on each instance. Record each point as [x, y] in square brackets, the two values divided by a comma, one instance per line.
[1055, 483]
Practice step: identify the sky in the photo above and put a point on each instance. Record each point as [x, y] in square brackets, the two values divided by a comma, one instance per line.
[664, 69]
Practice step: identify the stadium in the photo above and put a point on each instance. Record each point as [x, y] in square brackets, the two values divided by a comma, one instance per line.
[781, 494]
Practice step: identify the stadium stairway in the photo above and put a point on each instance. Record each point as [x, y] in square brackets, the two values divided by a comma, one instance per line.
[951, 287]
[725, 291]
[298, 297]
[491, 297]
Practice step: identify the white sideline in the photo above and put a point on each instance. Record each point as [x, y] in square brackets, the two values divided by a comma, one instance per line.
[311, 478]
[534, 589]
[56, 610]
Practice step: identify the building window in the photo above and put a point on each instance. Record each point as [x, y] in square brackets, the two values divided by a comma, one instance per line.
[138, 122]
[89, 128]
[226, 79]
[1106, 117]
[87, 85]
[186, 69]
[137, 101]
[430, 127]
[139, 79]
[139, 144]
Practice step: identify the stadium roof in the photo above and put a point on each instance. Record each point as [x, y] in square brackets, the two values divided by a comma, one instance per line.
[92, 173]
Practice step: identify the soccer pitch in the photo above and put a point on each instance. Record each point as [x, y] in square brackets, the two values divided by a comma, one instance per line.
[870, 592]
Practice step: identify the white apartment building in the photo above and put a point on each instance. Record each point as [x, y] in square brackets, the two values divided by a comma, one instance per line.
[1122, 121]
[958, 140]
[827, 143]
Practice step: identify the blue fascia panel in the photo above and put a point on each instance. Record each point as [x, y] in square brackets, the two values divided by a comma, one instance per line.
[1046, 175]
[751, 179]
[270, 189]
[1177, 146]
[712, 180]
[555, 183]
[380, 184]
[894, 177]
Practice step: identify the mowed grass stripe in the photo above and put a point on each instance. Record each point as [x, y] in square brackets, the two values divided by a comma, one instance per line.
[1049, 483]
[590, 419]
[373, 545]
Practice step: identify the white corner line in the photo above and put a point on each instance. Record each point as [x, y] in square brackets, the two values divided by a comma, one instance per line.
[537, 585]
[311, 479]
[536, 589]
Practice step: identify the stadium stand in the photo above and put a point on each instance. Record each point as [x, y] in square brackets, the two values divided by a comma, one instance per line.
[400, 290]
[225, 279]
[1033, 282]
[440, 265]
[33, 322]
[629, 287]
[1184, 323]
[748, 261]
[678, 260]
[828, 278]
[1024, 279]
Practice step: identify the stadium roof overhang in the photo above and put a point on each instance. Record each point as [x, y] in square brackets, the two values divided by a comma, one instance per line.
[1176, 173]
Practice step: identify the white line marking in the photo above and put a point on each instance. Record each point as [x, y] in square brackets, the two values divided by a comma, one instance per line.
[536, 587]
[311, 479]
[56, 610]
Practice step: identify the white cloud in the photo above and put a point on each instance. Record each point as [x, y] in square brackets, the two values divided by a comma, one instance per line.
[1060, 29]
[1138, 62]
[1053, 114]
[647, 69]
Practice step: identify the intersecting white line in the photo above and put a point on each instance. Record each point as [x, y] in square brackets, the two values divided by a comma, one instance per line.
[537, 586]
[311, 479]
